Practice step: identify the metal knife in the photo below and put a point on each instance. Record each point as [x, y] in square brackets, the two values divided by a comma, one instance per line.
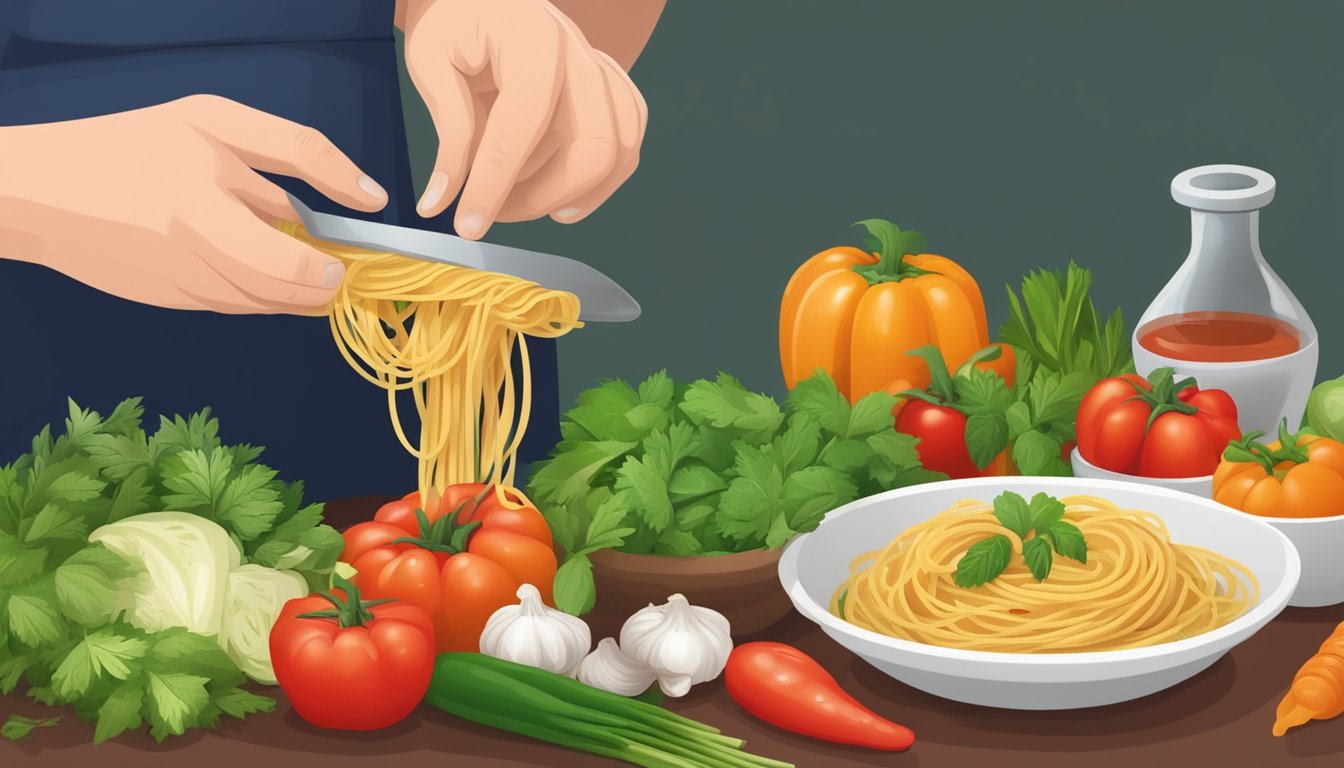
[601, 299]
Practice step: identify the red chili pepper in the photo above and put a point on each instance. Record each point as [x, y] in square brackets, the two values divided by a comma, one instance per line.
[787, 688]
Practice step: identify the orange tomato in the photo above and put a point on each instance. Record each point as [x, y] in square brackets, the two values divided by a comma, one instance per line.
[459, 577]
[855, 315]
[1308, 484]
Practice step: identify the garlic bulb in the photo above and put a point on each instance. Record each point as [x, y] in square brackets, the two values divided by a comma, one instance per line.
[531, 633]
[610, 669]
[684, 644]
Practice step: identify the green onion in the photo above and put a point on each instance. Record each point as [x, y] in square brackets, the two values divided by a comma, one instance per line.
[560, 710]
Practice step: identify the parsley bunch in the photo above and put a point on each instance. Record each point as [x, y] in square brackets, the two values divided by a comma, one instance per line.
[709, 468]
[59, 628]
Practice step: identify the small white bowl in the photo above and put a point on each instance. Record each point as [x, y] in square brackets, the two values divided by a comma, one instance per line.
[814, 564]
[1318, 540]
[1199, 486]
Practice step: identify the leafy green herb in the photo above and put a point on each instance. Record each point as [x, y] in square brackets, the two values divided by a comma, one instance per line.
[1060, 329]
[18, 727]
[1043, 516]
[716, 469]
[61, 629]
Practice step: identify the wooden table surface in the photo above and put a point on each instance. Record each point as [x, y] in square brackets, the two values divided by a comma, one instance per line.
[1219, 718]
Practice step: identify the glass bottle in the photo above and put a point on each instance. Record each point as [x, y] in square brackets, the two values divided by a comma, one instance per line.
[1225, 317]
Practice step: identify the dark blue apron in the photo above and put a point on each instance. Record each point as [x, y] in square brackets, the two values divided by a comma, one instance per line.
[276, 381]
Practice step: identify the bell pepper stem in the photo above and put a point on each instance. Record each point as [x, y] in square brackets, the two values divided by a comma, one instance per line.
[892, 245]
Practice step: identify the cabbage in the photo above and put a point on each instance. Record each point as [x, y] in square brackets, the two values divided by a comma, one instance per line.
[185, 559]
[253, 597]
[192, 576]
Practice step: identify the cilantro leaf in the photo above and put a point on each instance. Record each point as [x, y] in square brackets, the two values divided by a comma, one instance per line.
[18, 727]
[86, 584]
[574, 590]
[198, 433]
[724, 404]
[984, 561]
[693, 481]
[33, 617]
[676, 543]
[1013, 513]
[1036, 552]
[871, 414]
[1067, 540]
[101, 654]
[796, 446]
[667, 448]
[810, 493]
[197, 479]
[239, 703]
[819, 398]
[54, 523]
[779, 533]
[571, 469]
[646, 486]
[131, 496]
[117, 456]
[986, 436]
[249, 504]
[605, 531]
[121, 711]
[748, 506]
[846, 455]
[19, 563]
[175, 702]
[1037, 453]
[1056, 397]
[1018, 417]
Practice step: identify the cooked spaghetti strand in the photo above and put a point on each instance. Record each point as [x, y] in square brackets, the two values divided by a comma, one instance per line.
[447, 335]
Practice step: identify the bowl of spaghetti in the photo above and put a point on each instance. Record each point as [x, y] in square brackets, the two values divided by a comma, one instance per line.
[1168, 584]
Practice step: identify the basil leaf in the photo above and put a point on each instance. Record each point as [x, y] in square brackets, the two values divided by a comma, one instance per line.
[984, 561]
[1013, 513]
[1036, 552]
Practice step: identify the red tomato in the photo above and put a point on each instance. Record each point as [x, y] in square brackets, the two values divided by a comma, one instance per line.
[1117, 431]
[365, 669]
[460, 581]
[941, 430]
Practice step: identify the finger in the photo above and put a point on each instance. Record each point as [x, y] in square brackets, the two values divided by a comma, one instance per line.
[584, 113]
[276, 145]
[268, 201]
[268, 266]
[527, 70]
[448, 98]
[632, 117]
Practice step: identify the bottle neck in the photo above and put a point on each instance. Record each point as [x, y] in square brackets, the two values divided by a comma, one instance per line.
[1225, 264]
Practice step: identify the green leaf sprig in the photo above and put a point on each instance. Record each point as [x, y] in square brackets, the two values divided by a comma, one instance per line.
[61, 630]
[1039, 524]
[709, 467]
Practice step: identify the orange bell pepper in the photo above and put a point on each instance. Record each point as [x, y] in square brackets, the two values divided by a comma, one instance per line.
[1295, 476]
[856, 315]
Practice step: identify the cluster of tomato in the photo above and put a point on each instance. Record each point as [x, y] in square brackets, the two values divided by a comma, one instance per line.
[429, 576]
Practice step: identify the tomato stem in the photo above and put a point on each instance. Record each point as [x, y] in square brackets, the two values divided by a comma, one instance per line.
[1249, 449]
[443, 535]
[348, 611]
[1164, 397]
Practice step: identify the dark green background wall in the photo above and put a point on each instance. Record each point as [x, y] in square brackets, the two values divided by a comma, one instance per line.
[1013, 133]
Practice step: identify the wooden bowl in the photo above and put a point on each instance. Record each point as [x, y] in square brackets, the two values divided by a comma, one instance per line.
[743, 586]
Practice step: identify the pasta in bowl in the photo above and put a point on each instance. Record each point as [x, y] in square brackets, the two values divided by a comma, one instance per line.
[1139, 588]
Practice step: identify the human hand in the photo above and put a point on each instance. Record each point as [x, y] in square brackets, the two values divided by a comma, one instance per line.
[547, 123]
[162, 206]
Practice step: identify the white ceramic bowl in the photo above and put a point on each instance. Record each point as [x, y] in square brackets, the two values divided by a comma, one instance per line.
[814, 564]
[1318, 540]
[1199, 486]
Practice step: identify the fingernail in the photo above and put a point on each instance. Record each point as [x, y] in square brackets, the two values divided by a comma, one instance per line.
[568, 213]
[332, 275]
[438, 184]
[371, 187]
[471, 224]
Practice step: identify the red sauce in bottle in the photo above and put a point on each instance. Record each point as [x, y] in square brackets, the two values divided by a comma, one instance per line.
[1219, 337]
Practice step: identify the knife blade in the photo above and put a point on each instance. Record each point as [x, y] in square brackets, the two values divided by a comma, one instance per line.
[601, 299]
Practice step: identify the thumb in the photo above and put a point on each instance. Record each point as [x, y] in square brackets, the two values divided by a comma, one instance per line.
[448, 98]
